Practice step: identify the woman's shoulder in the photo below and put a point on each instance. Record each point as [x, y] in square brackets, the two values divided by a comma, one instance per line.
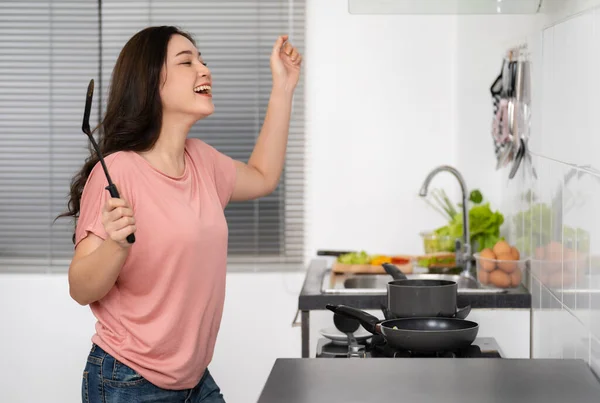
[120, 166]
[198, 146]
[117, 160]
[202, 153]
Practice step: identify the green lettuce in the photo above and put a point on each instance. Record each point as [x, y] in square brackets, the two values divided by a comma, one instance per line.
[484, 224]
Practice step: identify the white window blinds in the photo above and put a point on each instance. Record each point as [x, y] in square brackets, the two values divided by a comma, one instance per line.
[48, 53]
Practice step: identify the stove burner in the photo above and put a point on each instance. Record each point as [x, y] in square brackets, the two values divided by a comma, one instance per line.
[376, 347]
[387, 351]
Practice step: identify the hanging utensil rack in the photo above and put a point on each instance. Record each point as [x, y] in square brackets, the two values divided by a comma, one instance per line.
[511, 108]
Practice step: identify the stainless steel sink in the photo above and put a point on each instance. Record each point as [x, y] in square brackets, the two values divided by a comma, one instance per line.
[380, 281]
[377, 283]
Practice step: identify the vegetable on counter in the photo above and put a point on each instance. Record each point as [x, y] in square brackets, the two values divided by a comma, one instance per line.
[533, 225]
[440, 259]
[484, 224]
[379, 260]
[355, 258]
[363, 257]
[434, 243]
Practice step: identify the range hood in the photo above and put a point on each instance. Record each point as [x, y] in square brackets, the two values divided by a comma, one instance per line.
[444, 6]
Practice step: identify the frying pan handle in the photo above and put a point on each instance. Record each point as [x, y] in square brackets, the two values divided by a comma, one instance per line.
[112, 189]
[368, 321]
[462, 313]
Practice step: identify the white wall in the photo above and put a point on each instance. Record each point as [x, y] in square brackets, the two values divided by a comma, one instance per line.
[566, 284]
[381, 114]
[481, 44]
[390, 97]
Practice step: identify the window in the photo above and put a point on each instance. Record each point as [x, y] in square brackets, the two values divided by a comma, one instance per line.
[44, 74]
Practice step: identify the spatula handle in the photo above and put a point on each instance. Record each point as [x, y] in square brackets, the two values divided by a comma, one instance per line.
[112, 189]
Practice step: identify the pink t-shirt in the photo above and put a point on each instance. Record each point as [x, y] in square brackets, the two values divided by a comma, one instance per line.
[163, 314]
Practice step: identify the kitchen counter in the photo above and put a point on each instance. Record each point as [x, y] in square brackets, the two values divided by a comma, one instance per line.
[313, 298]
[430, 380]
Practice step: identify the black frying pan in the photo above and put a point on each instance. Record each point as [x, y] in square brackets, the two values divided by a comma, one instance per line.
[426, 335]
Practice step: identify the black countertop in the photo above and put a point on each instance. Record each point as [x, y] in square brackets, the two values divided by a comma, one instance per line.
[421, 380]
[312, 298]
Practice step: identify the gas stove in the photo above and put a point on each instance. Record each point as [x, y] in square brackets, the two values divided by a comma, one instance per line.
[376, 347]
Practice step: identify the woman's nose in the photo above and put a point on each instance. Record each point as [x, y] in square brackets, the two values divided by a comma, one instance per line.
[203, 71]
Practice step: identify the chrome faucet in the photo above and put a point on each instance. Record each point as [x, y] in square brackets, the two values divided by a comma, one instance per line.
[463, 252]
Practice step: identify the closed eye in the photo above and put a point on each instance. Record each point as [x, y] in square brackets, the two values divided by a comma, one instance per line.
[203, 63]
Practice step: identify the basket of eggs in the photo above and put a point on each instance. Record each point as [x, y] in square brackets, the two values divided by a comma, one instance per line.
[500, 267]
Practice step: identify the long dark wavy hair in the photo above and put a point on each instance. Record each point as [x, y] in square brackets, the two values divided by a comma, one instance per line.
[134, 110]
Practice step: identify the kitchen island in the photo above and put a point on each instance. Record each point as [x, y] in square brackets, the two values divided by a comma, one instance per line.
[428, 380]
[313, 298]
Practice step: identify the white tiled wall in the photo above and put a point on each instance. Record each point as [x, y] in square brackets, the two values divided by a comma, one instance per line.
[554, 215]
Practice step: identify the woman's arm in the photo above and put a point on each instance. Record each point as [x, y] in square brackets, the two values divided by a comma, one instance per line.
[261, 174]
[97, 263]
[95, 268]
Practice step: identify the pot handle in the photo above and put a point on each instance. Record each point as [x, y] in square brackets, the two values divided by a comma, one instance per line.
[462, 313]
[394, 271]
[386, 312]
[368, 321]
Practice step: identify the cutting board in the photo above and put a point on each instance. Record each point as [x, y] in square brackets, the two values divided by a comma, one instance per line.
[341, 268]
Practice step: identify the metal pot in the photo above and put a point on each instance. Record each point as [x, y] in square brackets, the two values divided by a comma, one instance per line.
[422, 298]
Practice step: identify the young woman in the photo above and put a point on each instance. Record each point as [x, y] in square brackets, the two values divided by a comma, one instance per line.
[158, 302]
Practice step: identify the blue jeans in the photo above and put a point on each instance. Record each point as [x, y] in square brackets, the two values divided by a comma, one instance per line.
[107, 380]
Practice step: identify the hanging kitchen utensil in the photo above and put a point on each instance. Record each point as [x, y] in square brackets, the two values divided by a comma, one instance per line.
[517, 163]
[522, 117]
[427, 335]
[501, 125]
[506, 122]
[496, 92]
[501, 91]
[112, 189]
[511, 109]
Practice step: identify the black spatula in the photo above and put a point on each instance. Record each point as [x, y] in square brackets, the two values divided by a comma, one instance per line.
[86, 129]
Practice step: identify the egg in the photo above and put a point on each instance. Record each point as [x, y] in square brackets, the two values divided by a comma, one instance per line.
[515, 253]
[506, 262]
[515, 278]
[483, 276]
[487, 265]
[500, 279]
[501, 247]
